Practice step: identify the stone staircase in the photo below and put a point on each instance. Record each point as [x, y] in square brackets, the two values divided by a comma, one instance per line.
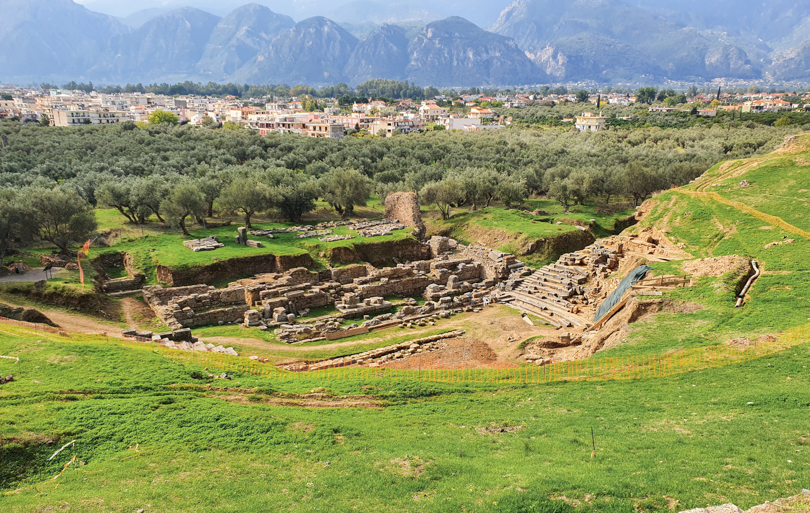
[555, 292]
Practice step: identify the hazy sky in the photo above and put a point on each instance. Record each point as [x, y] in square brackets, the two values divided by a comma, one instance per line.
[220, 7]
[482, 12]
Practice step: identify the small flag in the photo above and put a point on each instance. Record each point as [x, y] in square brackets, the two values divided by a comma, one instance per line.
[84, 252]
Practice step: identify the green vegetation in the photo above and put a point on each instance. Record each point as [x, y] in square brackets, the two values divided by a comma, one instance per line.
[780, 298]
[188, 178]
[152, 437]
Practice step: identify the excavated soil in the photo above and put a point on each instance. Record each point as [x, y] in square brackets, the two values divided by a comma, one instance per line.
[744, 342]
[717, 266]
[317, 400]
[458, 354]
[791, 145]
[136, 313]
[682, 307]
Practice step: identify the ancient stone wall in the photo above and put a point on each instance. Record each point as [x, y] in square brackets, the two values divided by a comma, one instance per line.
[465, 269]
[455, 283]
[216, 298]
[441, 245]
[157, 295]
[496, 264]
[301, 300]
[372, 358]
[405, 287]
[197, 305]
[231, 315]
[232, 268]
[345, 275]
[404, 207]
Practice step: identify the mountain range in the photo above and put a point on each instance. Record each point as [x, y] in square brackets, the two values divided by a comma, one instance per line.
[530, 42]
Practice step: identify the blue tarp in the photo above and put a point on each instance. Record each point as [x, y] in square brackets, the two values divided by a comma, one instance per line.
[637, 274]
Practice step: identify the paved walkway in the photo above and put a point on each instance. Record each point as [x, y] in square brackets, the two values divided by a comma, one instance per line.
[36, 274]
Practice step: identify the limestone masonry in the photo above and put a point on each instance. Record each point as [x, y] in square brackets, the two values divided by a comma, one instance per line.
[404, 207]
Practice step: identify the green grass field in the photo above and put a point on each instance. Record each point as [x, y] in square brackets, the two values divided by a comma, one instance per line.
[148, 436]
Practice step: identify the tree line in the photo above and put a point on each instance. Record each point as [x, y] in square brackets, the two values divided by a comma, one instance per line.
[179, 175]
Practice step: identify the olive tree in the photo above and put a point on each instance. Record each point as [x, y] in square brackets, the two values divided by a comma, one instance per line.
[640, 181]
[344, 189]
[183, 201]
[512, 191]
[480, 186]
[444, 194]
[61, 216]
[16, 221]
[148, 194]
[246, 195]
[117, 194]
[293, 194]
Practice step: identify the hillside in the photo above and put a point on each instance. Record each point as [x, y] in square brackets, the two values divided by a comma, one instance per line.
[166, 46]
[752, 208]
[314, 51]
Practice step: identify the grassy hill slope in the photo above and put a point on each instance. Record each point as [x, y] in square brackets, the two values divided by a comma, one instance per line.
[716, 220]
[150, 434]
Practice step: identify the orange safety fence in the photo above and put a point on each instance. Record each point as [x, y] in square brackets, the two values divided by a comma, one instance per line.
[594, 368]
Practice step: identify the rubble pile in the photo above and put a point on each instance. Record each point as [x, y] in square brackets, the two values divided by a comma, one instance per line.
[352, 307]
[497, 265]
[207, 244]
[381, 231]
[314, 233]
[458, 279]
[648, 243]
[263, 233]
[335, 238]
[180, 339]
[365, 225]
[299, 229]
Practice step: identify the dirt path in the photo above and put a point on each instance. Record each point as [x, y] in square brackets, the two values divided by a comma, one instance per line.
[73, 323]
[136, 313]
